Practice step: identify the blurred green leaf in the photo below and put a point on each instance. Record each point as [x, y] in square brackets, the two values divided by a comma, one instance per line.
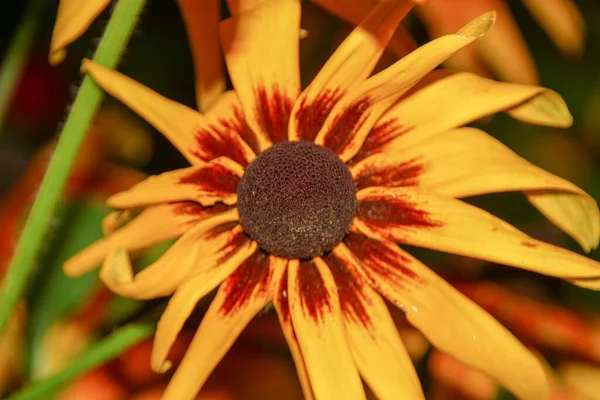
[54, 295]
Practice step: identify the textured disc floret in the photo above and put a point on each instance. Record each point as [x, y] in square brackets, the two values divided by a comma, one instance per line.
[297, 200]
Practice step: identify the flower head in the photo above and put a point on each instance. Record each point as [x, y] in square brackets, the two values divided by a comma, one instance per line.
[322, 249]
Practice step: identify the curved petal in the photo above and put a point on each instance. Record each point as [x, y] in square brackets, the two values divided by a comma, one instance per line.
[201, 22]
[72, 19]
[355, 114]
[213, 238]
[457, 100]
[503, 50]
[154, 225]
[376, 346]
[562, 21]
[189, 293]
[352, 63]
[207, 184]
[261, 52]
[199, 139]
[451, 322]
[281, 303]
[427, 219]
[317, 320]
[466, 162]
[239, 299]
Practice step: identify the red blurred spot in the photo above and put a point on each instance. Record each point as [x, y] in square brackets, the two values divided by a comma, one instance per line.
[404, 174]
[313, 293]
[213, 178]
[248, 280]
[311, 116]
[352, 299]
[98, 384]
[529, 244]
[381, 259]
[274, 113]
[346, 124]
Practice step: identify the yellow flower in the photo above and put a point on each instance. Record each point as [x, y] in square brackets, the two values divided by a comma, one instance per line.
[503, 51]
[299, 198]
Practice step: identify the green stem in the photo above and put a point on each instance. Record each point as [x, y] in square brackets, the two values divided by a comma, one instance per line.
[113, 42]
[97, 354]
[16, 55]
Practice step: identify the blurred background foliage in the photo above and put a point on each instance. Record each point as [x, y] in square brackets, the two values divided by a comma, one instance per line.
[63, 316]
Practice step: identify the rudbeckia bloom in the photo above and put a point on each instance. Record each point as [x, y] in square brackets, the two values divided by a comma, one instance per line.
[299, 198]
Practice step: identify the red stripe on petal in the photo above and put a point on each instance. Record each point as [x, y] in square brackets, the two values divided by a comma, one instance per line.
[382, 260]
[219, 229]
[394, 213]
[379, 136]
[197, 210]
[249, 279]
[282, 297]
[405, 174]
[238, 124]
[274, 111]
[352, 300]
[311, 116]
[344, 125]
[214, 178]
[313, 293]
[222, 139]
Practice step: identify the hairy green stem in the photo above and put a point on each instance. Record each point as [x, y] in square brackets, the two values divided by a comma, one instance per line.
[97, 354]
[118, 31]
[17, 54]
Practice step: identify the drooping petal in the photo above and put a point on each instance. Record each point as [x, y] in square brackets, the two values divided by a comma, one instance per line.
[354, 115]
[199, 139]
[154, 225]
[427, 219]
[210, 239]
[72, 19]
[207, 184]
[375, 344]
[450, 321]
[317, 320]
[466, 162]
[281, 303]
[503, 50]
[187, 295]
[261, 51]
[351, 64]
[239, 299]
[562, 21]
[201, 21]
[456, 100]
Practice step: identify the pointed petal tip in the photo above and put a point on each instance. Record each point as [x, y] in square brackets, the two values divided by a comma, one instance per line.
[159, 366]
[479, 26]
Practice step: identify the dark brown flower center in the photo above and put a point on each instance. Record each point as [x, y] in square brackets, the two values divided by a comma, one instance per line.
[297, 200]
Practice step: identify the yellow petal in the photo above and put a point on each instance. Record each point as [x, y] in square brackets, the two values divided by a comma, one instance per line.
[281, 303]
[355, 114]
[465, 162]
[351, 64]
[376, 346]
[154, 225]
[456, 100]
[201, 21]
[188, 294]
[317, 320]
[503, 49]
[562, 21]
[576, 215]
[261, 51]
[215, 181]
[238, 300]
[72, 19]
[199, 139]
[192, 252]
[427, 219]
[450, 321]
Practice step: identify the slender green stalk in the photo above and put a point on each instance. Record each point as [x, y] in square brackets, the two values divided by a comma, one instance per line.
[16, 55]
[97, 354]
[113, 42]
